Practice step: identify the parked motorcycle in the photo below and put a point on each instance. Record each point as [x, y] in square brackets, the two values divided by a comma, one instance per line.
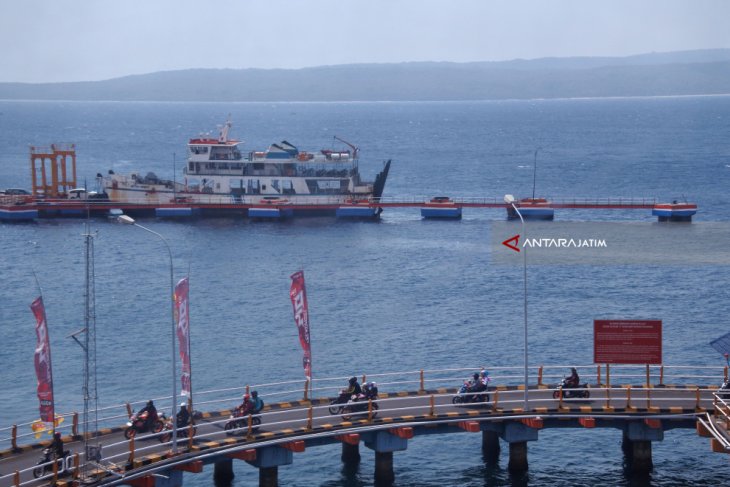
[467, 396]
[239, 420]
[138, 424]
[45, 465]
[571, 392]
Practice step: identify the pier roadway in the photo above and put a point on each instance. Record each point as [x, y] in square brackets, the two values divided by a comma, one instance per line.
[642, 414]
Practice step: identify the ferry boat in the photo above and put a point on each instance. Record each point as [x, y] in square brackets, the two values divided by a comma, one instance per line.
[220, 171]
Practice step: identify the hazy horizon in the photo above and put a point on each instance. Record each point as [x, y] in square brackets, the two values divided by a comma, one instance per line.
[92, 40]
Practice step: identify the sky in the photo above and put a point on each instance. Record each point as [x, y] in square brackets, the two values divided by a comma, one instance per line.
[88, 40]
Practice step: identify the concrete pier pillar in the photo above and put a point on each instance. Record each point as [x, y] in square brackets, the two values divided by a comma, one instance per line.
[384, 475]
[223, 473]
[641, 461]
[636, 445]
[490, 446]
[517, 456]
[268, 476]
[350, 453]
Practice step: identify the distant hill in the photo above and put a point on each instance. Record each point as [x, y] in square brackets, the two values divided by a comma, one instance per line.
[702, 72]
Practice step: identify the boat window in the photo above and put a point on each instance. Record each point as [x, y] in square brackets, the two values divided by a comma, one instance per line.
[258, 166]
[275, 185]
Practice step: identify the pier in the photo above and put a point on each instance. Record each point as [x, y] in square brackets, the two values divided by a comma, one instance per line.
[410, 405]
[28, 208]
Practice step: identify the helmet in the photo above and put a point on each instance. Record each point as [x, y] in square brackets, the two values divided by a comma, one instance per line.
[353, 380]
[476, 376]
[572, 369]
[57, 436]
[255, 393]
[246, 397]
[183, 404]
[150, 403]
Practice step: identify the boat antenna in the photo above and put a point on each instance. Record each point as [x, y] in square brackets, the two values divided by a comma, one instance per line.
[534, 173]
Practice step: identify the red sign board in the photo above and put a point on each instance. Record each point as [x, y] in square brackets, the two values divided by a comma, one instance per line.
[627, 341]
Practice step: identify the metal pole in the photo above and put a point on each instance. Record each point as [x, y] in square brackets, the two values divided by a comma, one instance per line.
[524, 276]
[172, 308]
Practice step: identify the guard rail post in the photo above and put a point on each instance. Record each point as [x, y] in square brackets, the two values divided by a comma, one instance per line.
[306, 390]
[16, 478]
[370, 409]
[129, 409]
[432, 402]
[249, 433]
[75, 425]
[76, 466]
[131, 451]
[496, 399]
[364, 378]
[628, 397]
[697, 398]
[648, 377]
[661, 375]
[598, 375]
[191, 433]
[310, 417]
[421, 387]
[608, 375]
[55, 471]
[539, 376]
[14, 437]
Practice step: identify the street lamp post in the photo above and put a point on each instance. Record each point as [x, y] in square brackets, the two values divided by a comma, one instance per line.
[510, 200]
[130, 221]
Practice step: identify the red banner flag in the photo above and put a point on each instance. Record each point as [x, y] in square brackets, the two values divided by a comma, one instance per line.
[182, 314]
[298, 295]
[43, 362]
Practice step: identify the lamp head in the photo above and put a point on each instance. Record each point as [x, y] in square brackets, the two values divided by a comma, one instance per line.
[508, 198]
[127, 220]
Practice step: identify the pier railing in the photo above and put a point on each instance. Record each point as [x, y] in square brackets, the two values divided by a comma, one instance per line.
[420, 380]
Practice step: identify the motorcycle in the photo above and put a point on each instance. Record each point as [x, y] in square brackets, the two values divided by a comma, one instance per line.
[182, 432]
[138, 424]
[571, 392]
[465, 395]
[45, 465]
[358, 405]
[347, 405]
[239, 420]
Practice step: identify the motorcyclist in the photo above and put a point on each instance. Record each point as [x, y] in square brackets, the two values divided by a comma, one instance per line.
[476, 384]
[151, 411]
[370, 390]
[246, 407]
[484, 377]
[258, 403]
[183, 416]
[56, 447]
[573, 381]
[353, 389]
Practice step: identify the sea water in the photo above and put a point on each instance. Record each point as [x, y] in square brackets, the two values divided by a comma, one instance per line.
[399, 294]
